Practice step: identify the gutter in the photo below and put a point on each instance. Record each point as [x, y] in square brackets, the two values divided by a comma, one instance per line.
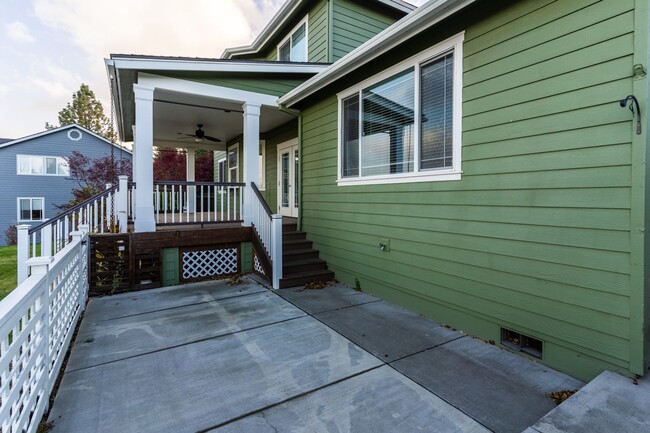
[426, 16]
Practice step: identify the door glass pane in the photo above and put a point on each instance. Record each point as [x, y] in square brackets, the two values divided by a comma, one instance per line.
[437, 113]
[295, 178]
[37, 165]
[285, 179]
[25, 211]
[37, 209]
[50, 165]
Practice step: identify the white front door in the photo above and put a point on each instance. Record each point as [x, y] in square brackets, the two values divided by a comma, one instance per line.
[288, 163]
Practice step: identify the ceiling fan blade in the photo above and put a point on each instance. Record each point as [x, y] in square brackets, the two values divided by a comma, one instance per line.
[207, 137]
[188, 135]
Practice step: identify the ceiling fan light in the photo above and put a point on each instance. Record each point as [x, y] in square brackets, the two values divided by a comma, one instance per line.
[198, 140]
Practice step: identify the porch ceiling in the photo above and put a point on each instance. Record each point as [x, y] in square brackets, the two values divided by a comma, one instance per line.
[176, 113]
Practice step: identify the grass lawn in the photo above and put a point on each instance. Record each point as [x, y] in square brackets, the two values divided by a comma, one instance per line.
[7, 270]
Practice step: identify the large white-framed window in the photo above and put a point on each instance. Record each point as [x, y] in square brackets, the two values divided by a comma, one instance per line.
[293, 48]
[405, 124]
[261, 179]
[38, 165]
[233, 163]
[31, 208]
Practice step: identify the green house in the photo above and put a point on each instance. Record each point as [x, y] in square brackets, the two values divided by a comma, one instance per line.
[472, 160]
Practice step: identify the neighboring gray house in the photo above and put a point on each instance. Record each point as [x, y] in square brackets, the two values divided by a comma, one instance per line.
[35, 175]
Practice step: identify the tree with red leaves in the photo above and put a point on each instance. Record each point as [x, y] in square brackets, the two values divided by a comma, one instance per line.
[169, 165]
[92, 175]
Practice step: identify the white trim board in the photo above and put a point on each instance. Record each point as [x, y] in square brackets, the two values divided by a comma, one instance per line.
[186, 65]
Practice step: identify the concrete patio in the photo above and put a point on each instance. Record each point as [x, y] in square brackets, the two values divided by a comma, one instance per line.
[210, 357]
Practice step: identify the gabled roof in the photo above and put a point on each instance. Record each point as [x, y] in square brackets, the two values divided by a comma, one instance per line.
[62, 128]
[286, 13]
[5, 140]
[426, 16]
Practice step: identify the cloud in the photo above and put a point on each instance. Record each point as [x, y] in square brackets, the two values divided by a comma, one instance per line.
[194, 28]
[18, 32]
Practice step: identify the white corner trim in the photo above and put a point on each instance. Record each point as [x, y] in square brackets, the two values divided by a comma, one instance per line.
[202, 89]
[424, 17]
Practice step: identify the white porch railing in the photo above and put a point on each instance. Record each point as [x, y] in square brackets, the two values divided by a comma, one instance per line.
[198, 202]
[102, 213]
[269, 230]
[37, 321]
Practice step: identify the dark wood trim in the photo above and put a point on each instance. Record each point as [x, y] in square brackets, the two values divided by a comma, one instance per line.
[190, 238]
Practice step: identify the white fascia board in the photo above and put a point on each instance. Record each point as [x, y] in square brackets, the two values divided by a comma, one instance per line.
[409, 26]
[281, 17]
[59, 129]
[144, 64]
[202, 89]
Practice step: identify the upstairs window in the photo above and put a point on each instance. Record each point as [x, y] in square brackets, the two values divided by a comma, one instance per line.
[42, 165]
[404, 125]
[294, 47]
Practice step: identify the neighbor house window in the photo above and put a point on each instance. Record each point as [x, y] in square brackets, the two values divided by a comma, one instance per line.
[404, 125]
[30, 209]
[42, 165]
[294, 47]
[233, 164]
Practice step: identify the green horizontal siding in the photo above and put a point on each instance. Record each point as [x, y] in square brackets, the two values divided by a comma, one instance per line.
[353, 25]
[537, 235]
[317, 44]
[274, 137]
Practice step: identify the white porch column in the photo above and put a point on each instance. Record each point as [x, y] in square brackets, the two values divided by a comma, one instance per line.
[190, 176]
[251, 156]
[143, 152]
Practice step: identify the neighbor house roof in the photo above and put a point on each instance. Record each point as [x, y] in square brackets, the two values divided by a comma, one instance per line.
[287, 12]
[62, 128]
[4, 140]
[426, 16]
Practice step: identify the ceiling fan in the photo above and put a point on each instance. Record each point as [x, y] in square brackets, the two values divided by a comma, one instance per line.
[199, 135]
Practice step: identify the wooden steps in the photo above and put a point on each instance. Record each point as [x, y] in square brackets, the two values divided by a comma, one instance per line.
[300, 261]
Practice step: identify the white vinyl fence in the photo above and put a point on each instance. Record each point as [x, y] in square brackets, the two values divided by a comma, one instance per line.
[37, 321]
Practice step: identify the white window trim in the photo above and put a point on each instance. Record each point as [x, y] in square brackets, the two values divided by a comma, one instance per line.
[262, 168]
[42, 199]
[236, 168]
[454, 43]
[225, 165]
[304, 21]
[43, 157]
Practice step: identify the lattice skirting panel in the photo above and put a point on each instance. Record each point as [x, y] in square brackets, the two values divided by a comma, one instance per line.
[257, 265]
[202, 264]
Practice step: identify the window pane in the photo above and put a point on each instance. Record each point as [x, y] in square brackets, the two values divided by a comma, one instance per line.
[437, 113]
[222, 171]
[387, 143]
[50, 165]
[25, 209]
[285, 52]
[63, 168]
[23, 164]
[37, 164]
[299, 45]
[350, 165]
[37, 209]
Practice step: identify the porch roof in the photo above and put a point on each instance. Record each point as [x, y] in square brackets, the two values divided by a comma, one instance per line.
[124, 69]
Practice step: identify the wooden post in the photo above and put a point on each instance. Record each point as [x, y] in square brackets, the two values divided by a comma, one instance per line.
[121, 203]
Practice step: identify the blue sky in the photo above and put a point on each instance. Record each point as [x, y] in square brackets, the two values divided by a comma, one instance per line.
[49, 47]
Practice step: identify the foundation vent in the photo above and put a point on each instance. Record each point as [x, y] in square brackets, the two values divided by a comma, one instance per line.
[522, 343]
